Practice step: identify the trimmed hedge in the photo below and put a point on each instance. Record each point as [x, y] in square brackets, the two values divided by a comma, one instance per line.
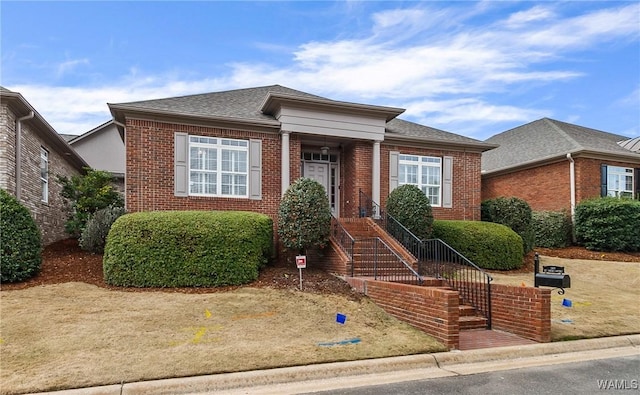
[552, 228]
[608, 224]
[20, 242]
[411, 207]
[514, 213]
[187, 248]
[487, 244]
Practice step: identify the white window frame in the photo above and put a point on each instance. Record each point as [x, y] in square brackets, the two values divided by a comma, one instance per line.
[238, 168]
[44, 174]
[617, 181]
[421, 164]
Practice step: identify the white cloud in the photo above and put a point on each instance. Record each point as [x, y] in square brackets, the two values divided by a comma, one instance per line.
[413, 56]
[70, 65]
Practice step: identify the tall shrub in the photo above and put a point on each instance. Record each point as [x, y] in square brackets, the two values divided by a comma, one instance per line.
[552, 228]
[514, 213]
[20, 246]
[304, 215]
[608, 224]
[411, 207]
[86, 194]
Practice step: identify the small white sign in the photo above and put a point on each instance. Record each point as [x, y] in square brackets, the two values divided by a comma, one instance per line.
[301, 261]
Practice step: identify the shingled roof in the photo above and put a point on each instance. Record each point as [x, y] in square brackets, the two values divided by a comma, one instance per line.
[547, 139]
[244, 105]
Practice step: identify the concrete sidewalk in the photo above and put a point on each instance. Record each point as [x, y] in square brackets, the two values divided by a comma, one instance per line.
[320, 377]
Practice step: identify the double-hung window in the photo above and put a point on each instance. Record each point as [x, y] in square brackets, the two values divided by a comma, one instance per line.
[425, 172]
[218, 167]
[619, 181]
[44, 174]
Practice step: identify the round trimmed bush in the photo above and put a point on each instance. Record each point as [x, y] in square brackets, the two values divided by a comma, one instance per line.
[304, 215]
[411, 207]
[487, 244]
[20, 242]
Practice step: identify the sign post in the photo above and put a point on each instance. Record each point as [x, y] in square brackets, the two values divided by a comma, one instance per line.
[301, 263]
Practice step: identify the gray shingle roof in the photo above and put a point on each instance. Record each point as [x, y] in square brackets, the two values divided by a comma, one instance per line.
[239, 103]
[245, 105]
[400, 127]
[545, 139]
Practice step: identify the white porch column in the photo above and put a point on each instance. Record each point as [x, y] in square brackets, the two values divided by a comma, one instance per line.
[375, 176]
[285, 162]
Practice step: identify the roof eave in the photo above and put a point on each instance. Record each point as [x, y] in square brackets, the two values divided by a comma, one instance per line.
[274, 100]
[478, 147]
[120, 112]
[46, 131]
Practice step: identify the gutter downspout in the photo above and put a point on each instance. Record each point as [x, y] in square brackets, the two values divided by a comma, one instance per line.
[124, 141]
[19, 153]
[572, 182]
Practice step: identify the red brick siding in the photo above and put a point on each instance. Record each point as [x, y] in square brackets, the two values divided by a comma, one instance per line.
[356, 173]
[430, 309]
[524, 311]
[150, 169]
[548, 187]
[466, 180]
[544, 188]
[50, 216]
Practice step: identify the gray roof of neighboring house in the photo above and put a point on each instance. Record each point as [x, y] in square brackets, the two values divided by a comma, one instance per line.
[547, 139]
[41, 126]
[68, 137]
[631, 144]
[246, 104]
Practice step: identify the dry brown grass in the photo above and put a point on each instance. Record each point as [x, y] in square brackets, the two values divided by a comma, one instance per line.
[75, 335]
[605, 298]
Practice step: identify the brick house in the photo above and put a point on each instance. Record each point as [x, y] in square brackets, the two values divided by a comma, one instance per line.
[240, 150]
[554, 165]
[31, 155]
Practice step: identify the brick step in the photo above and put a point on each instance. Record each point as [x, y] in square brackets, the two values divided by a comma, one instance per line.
[472, 322]
[467, 311]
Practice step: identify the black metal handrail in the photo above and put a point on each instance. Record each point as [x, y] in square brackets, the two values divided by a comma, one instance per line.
[374, 257]
[436, 258]
[342, 237]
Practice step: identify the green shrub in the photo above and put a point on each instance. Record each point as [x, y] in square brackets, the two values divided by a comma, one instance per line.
[488, 245]
[187, 248]
[86, 194]
[95, 232]
[608, 224]
[20, 243]
[514, 213]
[304, 215]
[411, 207]
[552, 228]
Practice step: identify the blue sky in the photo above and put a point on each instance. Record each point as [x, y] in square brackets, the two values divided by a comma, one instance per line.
[473, 68]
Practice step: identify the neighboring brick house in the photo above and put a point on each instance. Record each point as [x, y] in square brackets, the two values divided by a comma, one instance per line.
[103, 148]
[555, 165]
[241, 149]
[32, 154]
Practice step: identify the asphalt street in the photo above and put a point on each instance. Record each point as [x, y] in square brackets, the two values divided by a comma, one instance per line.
[590, 377]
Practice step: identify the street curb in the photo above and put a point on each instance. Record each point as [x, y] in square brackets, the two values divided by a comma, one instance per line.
[230, 381]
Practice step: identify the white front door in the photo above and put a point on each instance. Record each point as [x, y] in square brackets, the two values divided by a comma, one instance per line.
[320, 172]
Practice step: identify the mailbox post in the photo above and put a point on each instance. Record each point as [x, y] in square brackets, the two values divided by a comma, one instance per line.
[551, 276]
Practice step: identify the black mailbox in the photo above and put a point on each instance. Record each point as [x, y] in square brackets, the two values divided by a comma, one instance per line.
[551, 276]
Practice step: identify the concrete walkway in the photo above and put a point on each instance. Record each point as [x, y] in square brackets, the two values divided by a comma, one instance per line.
[311, 378]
